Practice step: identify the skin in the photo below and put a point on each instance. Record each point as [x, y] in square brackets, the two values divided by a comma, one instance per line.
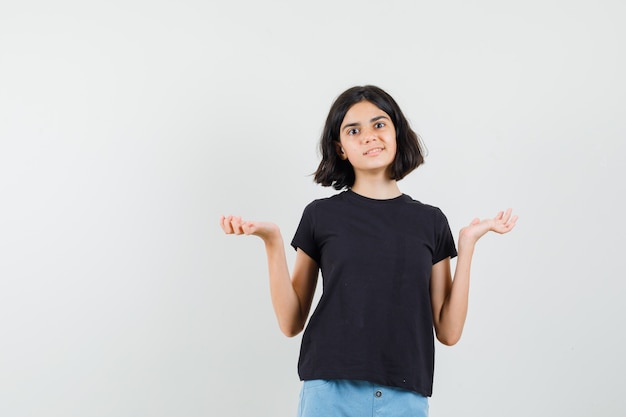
[368, 141]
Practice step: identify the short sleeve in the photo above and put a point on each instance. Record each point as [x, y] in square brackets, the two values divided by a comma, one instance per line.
[304, 237]
[444, 242]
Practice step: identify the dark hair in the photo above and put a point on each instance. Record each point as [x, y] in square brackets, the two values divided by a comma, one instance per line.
[338, 173]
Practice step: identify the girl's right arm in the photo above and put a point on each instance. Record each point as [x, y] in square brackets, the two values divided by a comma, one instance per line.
[291, 295]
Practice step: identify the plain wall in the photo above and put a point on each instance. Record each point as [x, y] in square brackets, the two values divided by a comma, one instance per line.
[127, 128]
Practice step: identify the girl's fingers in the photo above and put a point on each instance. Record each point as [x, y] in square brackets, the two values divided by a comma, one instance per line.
[507, 215]
[226, 225]
[231, 225]
[236, 223]
[509, 224]
[246, 228]
[509, 219]
[504, 217]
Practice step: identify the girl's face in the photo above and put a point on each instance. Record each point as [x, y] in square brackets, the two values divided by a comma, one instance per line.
[367, 139]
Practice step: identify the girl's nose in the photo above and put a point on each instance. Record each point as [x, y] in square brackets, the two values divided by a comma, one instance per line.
[369, 136]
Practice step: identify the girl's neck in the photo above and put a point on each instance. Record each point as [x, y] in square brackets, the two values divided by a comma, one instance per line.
[383, 189]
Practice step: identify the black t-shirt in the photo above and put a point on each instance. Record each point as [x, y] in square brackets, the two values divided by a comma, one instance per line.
[374, 319]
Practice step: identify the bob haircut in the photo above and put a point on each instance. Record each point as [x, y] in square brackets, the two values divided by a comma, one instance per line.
[338, 173]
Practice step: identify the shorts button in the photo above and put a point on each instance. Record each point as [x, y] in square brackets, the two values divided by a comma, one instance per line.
[378, 393]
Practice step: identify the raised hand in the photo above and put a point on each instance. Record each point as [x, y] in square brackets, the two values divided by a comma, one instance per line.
[237, 226]
[504, 222]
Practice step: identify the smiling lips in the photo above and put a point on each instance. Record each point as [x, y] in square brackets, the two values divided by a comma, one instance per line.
[373, 151]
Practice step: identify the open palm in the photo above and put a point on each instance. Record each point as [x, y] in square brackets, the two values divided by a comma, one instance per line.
[504, 222]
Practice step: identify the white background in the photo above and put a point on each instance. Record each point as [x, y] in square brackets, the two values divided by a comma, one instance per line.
[128, 127]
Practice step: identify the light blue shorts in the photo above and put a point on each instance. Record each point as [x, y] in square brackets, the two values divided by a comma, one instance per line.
[344, 398]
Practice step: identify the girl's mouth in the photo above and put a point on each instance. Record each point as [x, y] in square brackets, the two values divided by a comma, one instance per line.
[373, 151]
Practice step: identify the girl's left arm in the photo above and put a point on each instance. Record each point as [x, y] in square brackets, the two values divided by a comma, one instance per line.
[449, 297]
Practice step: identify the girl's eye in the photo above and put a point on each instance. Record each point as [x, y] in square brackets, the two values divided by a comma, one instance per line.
[379, 125]
[353, 131]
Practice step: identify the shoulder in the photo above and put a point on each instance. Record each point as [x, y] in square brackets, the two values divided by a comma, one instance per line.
[326, 202]
[322, 213]
[423, 207]
[427, 212]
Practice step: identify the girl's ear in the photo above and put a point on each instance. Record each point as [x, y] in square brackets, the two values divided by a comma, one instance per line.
[340, 151]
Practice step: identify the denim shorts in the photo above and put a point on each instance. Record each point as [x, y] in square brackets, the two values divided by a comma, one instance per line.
[346, 398]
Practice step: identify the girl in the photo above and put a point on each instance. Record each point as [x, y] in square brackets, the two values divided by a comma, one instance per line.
[368, 348]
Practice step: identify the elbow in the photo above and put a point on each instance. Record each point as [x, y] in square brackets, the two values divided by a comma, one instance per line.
[291, 331]
[449, 339]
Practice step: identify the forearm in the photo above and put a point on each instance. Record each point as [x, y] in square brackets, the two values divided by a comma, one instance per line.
[454, 310]
[449, 297]
[291, 296]
[284, 297]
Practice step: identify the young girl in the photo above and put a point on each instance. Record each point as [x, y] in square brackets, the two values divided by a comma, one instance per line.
[368, 349]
